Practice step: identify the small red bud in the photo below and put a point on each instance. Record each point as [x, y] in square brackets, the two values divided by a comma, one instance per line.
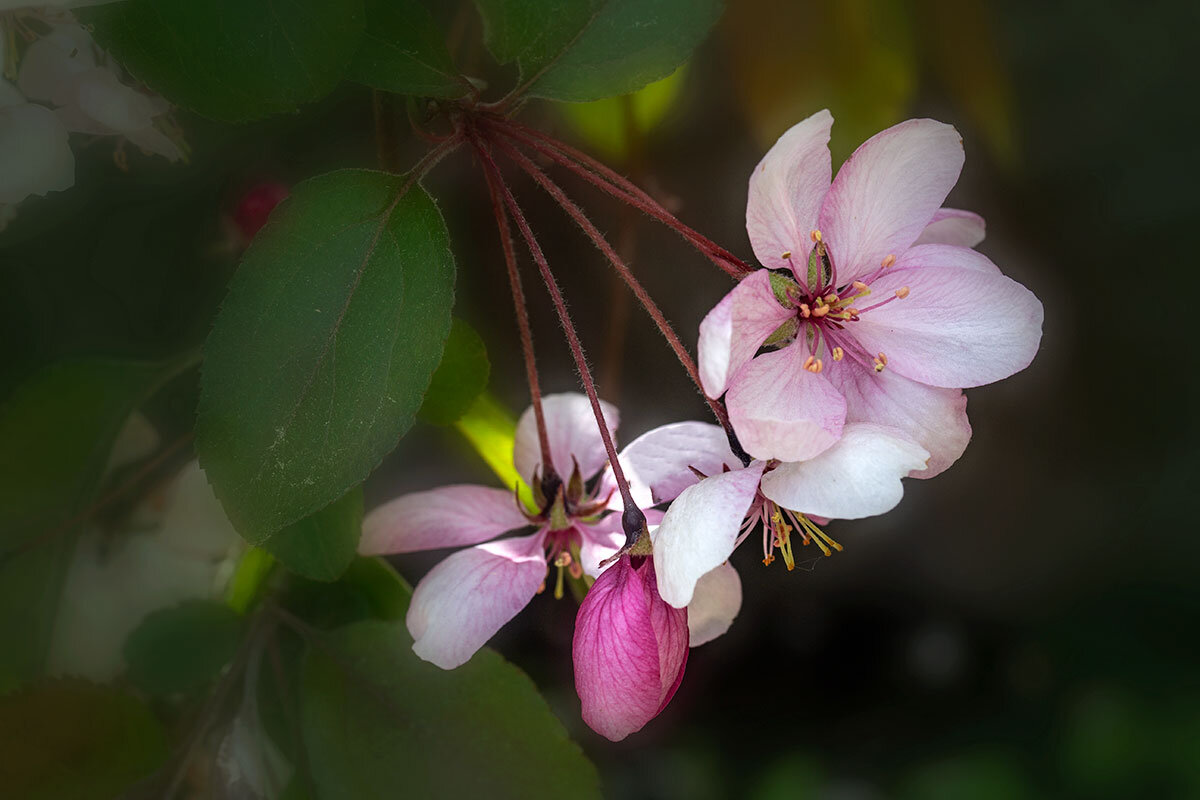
[256, 205]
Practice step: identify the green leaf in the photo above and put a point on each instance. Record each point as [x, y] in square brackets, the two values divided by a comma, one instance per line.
[70, 739]
[233, 60]
[324, 348]
[322, 546]
[184, 647]
[591, 49]
[404, 51]
[58, 429]
[369, 589]
[610, 125]
[459, 379]
[379, 722]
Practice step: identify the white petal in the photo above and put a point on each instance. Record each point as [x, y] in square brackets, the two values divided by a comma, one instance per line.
[699, 530]
[35, 157]
[717, 600]
[572, 431]
[857, 477]
[658, 464]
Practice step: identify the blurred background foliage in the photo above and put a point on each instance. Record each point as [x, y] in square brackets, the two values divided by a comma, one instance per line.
[1023, 626]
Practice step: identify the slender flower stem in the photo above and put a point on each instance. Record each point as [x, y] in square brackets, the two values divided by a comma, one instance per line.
[664, 327]
[623, 189]
[633, 521]
[549, 477]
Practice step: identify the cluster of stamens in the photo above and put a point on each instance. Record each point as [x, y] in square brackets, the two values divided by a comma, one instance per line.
[778, 526]
[823, 312]
[561, 505]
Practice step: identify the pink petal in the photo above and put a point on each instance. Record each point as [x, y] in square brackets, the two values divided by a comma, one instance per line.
[935, 418]
[451, 516]
[572, 431]
[700, 529]
[857, 477]
[717, 601]
[953, 226]
[659, 463]
[737, 326]
[464, 600]
[957, 327]
[786, 191]
[781, 410]
[630, 649]
[887, 192]
[600, 540]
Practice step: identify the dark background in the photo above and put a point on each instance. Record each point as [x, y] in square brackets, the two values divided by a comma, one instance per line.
[1024, 625]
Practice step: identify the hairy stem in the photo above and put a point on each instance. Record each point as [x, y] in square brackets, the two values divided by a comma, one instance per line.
[633, 520]
[623, 270]
[549, 478]
[612, 182]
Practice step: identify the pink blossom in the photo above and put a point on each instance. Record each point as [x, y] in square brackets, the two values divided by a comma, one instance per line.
[872, 305]
[466, 598]
[859, 476]
[630, 649]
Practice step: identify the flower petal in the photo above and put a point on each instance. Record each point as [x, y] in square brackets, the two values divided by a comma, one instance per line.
[786, 191]
[35, 157]
[629, 649]
[571, 429]
[957, 327]
[736, 327]
[716, 603]
[469, 596]
[451, 516]
[781, 410]
[934, 417]
[953, 226]
[52, 64]
[700, 529]
[857, 477]
[659, 463]
[887, 192]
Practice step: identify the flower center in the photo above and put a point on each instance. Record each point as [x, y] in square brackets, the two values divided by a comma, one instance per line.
[825, 308]
[779, 525]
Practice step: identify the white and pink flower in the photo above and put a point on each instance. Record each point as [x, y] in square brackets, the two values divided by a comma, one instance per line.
[716, 501]
[466, 598]
[872, 306]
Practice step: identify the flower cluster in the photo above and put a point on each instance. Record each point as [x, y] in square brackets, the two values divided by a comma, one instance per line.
[836, 369]
[63, 84]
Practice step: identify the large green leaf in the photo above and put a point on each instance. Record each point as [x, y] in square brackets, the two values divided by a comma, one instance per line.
[404, 51]
[233, 60]
[183, 647]
[30, 585]
[583, 50]
[322, 546]
[69, 739]
[57, 430]
[380, 723]
[459, 379]
[324, 347]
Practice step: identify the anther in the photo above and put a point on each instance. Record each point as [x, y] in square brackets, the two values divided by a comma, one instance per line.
[862, 287]
[838, 354]
[805, 311]
[851, 311]
[808, 362]
[902, 292]
[820, 311]
[816, 235]
[831, 299]
[786, 254]
[888, 260]
[882, 357]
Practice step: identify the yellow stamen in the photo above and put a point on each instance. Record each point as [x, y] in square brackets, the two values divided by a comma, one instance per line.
[862, 287]
[814, 365]
[882, 357]
[816, 236]
[783, 538]
[786, 254]
[820, 311]
[808, 362]
[817, 535]
[804, 310]
[838, 354]
[558, 583]
[888, 260]
[831, 299]
[852, 311]
[902, 292]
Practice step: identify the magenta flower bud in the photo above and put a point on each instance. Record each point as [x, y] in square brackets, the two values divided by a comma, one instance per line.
[630, 649]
